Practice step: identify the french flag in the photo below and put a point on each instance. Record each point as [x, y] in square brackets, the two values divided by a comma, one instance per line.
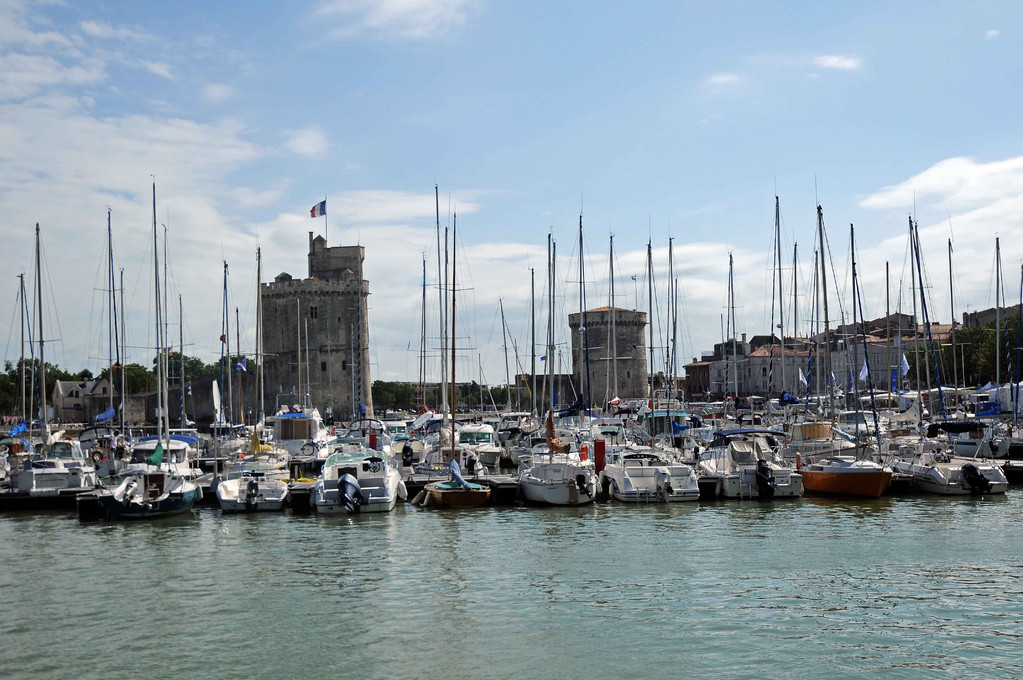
[319, 210]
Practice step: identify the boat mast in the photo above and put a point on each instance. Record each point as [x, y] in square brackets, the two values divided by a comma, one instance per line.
[827, 327]
[668, 347]
[552, 251]
[421, 397]
[532, 340]
[916, 327]
[614, 329]
[587, 396]
[181, 344]
[454, 252]
[237, 368]
[854, 370]
[111, 311]
[123, 350]
[998, 315]
[781, 298]
[507, 375]
[161, 405]
[887, 331]
[731, 324]
[650, 316]
[927, 322]
[226, 347]
[42, 360]
[259, 329]
[298, 347]
[24, 308]
[1019, 353]
[441, 297]
[952, 312]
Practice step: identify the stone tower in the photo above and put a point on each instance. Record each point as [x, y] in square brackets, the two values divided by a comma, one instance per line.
[329, 311]
[629, 341]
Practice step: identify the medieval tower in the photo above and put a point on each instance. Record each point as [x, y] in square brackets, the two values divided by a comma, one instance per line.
[316, 332]
[617, 354]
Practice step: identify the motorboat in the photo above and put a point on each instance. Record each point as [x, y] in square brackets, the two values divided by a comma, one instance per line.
[59, 466]
[357, 480]
[636, 475]
[482, 440]
[935, 470]
[557, 473]
[253, 491]
[846, 476]
[748, 464]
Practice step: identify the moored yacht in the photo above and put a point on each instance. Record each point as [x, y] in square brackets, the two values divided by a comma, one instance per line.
[748, 464]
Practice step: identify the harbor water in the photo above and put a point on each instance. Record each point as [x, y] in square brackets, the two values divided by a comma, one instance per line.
[921, 587]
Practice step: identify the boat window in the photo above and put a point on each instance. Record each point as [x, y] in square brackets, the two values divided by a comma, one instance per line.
[295, 428]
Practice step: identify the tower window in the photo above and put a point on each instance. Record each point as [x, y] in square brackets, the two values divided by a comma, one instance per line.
[323, 366]
[313, 312]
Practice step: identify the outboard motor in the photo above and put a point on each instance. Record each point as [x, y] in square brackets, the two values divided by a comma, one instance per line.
[977, 482]
[406, 454]
[470, 463]
[251, 492]
[664, 488]
[580, 481]
[350, 493]
[765, 480]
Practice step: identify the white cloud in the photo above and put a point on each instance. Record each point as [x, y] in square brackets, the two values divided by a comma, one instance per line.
[721, 80]
[412, 19]
[162, 70]
[992, 34]
[310, 141]
[836, 61]
[105, 31]
[217, 92]
[23, 75]
[954, 184]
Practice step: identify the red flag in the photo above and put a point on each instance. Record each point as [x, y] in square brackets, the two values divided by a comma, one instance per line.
[223, 338]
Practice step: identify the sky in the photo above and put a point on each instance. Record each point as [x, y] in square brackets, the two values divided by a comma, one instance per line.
[653, 120]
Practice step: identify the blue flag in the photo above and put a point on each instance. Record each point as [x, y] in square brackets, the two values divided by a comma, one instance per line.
[240, 366]
[19, 428]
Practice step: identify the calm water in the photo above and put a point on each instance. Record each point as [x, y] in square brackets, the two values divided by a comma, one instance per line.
[911, 588]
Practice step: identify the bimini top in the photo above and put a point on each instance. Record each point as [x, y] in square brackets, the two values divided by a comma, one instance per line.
[956, 427]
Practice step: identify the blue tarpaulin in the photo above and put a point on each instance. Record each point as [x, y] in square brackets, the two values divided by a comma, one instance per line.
[106, 415]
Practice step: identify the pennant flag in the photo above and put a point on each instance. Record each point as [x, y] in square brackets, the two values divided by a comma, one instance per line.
[863, 371]
[633, 277]
[319, 210]
[802, 378]
[905, 364]
[543, 358]
[240, 366]
[223, 338]
[157, 457]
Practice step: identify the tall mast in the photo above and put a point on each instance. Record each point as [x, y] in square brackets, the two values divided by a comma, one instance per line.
[259, 329]
[24, 308]
[551, 258]
[238, 347]
[161, 404]
[781, 298]
[952, 312]
[827, 327]
[532, 339]
[887, 331]
[668, 347]
[507, 375]
[165, 352]
[123, 343]
[916, 326]
[998, 314]
[298, 345]
[454, 252]
[587, 398]
[110, 310]
[441, 296]
[42, 359]
[421, 397]
[226, 347]
[614, 328]
[650, 315]
[181, 344]
[1019, 353]
[444, 330]
[731, 322]
[854, 372]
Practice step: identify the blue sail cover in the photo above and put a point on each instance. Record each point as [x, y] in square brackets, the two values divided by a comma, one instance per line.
[788, 399]
[456, 474]
[106, 415]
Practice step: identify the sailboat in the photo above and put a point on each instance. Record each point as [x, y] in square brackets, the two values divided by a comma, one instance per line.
[58, 466]
[456, 492]
[556, 475]
[154, 489]
[852, 475]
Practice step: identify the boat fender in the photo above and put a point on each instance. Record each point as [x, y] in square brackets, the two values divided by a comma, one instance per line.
[419, 499]
[765, 480]
[402, 490]
[799, 462]
[977, 482]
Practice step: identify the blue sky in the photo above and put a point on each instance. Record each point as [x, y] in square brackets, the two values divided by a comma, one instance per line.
[656, 118]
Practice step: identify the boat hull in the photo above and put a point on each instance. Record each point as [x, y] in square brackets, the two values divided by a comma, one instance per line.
[554, 493]
[172, 504]
[868, 484]
[440, 497]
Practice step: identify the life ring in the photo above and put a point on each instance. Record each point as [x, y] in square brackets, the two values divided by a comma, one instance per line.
[96, 457]
[374, 466]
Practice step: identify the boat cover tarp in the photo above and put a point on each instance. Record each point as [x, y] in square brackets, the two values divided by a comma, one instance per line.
[955, 427]
[106, 415]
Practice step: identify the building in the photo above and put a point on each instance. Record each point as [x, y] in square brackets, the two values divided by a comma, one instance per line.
[316, 333]
[80, 401]
[615, 340]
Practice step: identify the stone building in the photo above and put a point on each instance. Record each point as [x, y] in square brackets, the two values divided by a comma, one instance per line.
[623, 354]
[328, 311]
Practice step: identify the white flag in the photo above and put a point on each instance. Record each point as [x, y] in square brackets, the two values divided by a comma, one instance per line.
[863, 371]
[905, 365]
[802, 378]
